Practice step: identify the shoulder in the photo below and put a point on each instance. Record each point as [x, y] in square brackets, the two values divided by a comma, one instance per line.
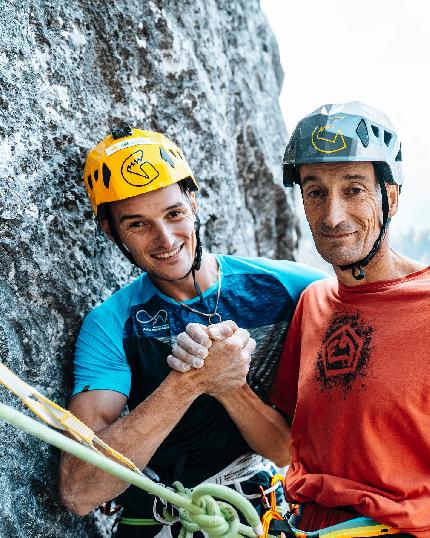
[294, 276]
[118, 304]
[321, 288]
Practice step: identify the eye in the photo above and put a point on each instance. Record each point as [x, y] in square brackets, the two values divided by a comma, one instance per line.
[175, 214]
[314, 192]
[136, 225]
[355, 191]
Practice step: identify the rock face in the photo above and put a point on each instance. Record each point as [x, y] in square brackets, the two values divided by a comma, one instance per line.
[205, 72]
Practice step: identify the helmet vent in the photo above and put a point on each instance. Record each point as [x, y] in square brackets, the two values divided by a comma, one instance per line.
[399, 155]
[375, 130]
[96, 175]
[90, 182]
[166, 157]
[362, 132]
[387, 137]
[106, 175]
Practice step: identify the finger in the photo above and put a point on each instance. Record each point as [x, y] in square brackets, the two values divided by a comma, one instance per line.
[193, 361]
[177, 364]
[250, 346]
[199, 333]
[185, 341]
[223, 330]
[241, 337]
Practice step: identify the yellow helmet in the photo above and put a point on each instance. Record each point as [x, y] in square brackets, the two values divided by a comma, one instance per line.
[130, 162]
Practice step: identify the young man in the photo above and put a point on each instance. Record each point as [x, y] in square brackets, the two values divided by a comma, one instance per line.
[354, 374]
[142, 191]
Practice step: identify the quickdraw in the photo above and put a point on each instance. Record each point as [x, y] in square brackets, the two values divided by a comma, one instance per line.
[271, 514]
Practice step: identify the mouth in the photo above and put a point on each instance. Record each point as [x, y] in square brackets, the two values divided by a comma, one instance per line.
[169, 254]
[337, 236]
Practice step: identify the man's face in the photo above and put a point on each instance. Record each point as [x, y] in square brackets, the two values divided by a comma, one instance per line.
[158, 229]
[343, 206]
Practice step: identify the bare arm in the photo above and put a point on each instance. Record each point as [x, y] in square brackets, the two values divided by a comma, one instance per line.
[264, 428]
[139, 434]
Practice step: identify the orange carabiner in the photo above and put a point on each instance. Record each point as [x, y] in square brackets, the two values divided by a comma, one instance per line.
[271, 513]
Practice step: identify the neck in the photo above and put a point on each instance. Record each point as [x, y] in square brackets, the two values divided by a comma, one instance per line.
[386, 265]
[183, 289]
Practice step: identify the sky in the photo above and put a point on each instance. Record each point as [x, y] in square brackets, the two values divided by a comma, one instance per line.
[374, 51]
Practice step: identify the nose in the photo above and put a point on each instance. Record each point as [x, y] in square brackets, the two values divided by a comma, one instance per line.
[335, 212]
[164, 237]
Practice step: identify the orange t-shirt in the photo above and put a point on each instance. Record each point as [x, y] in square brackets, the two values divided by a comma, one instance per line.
[355, 375]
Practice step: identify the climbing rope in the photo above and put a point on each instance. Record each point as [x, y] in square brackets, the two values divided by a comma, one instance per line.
[198, 509]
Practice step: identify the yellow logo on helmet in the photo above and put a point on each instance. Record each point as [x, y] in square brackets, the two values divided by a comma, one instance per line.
[138, 172]
[338, 141]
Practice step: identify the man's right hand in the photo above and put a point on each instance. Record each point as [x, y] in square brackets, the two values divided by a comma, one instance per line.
[192, 347]
[226, 365]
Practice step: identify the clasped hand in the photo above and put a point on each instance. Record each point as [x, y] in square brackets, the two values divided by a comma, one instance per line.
[221, 353]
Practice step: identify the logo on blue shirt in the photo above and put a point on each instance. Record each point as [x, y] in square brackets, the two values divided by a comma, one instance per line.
[158, 322]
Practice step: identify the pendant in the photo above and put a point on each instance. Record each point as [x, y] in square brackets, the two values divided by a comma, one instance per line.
[217, 320]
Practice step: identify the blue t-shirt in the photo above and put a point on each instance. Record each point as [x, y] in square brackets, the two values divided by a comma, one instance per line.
[257, 293]
[124, 343]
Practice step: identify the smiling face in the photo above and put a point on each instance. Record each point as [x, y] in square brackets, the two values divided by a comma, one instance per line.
[158, 229]
[343, 205]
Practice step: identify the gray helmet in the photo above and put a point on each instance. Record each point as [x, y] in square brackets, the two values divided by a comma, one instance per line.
[348, 132]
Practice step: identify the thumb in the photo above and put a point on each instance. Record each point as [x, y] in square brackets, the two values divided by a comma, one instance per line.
[223, 330]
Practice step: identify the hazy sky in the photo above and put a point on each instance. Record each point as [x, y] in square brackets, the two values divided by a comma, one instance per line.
[375, 51]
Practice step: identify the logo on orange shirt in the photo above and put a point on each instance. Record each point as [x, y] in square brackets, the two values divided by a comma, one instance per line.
[345, 351]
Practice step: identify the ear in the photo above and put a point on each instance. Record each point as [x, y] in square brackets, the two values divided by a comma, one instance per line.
[393, 199]
[193, 201]
[104, 225]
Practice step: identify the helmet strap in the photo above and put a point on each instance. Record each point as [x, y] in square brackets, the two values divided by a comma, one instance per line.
[357, 268]
[197, 258]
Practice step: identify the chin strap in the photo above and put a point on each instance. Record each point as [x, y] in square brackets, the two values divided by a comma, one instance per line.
[357, 268]
[197, 258]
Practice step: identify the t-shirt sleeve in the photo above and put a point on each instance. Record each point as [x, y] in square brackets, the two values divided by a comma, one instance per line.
[284, 389]
[299, 276]
[99, 361]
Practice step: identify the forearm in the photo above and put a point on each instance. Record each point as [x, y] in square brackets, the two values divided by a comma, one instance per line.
[264, 428]
[137, 436]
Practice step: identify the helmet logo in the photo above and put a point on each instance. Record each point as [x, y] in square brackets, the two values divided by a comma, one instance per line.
[319, 140]
[138, 172]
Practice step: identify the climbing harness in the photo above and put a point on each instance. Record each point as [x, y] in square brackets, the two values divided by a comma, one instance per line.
[198, 510]
[358, 527]
[242, 469]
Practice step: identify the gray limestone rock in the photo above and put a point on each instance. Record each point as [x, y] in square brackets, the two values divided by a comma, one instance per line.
[205, 72]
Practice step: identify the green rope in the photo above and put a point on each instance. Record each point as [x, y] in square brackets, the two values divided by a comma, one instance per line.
[138, 522]
[198, 509]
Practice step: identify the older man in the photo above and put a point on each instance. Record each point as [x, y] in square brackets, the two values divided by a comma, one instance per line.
[354, 375]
